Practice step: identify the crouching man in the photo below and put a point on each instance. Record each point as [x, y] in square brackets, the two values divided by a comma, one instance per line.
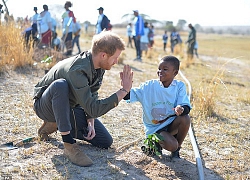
[66, 98]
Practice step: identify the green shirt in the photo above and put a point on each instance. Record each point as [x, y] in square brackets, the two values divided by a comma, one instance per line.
[84, 82]
[192, 36]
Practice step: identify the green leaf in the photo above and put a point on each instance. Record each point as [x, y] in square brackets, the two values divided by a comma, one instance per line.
[157, 153]
[159, 137]
[47, 59]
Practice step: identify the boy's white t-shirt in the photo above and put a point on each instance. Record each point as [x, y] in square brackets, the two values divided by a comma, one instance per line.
[158, 102]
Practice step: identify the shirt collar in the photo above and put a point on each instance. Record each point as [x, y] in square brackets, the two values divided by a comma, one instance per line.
[173, 83]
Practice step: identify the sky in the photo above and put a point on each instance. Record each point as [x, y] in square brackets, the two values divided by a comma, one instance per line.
[203, 12]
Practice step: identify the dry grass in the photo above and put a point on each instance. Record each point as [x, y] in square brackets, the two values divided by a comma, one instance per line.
[13, 51]
[220, 118]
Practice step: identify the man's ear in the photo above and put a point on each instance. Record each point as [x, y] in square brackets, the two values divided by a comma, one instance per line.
[103, 55]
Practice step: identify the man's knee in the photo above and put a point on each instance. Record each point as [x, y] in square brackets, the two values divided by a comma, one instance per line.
[102, 142]
[61, 84]
[108, 143]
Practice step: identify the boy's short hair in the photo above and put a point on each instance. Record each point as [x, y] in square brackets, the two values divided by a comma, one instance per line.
[173, 60]
[107, 42]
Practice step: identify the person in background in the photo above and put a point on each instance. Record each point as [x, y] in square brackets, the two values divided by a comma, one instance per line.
[137, 32]
[129, 35]
[110, 26]
[56, 42]
[196, 49]
[151, 35]
[76, 31]
[166, 109]
[32, 31]
[86, 26]
[102, 21]
[66, 98]
[34, 25]
[54, 37]
[191, 42]
[27, 33]
[54, 24]
[45, 26]
[145, 39]
[174, 39]
[165, 40]
[68, 19]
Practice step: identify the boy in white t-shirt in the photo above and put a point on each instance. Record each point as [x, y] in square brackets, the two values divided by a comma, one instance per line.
[166, 110]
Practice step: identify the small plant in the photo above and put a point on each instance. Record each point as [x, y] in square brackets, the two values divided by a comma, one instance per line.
[48, 60]
[152, 146]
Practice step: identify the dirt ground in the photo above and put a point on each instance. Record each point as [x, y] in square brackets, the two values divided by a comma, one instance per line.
[124, 160]
[44, 160]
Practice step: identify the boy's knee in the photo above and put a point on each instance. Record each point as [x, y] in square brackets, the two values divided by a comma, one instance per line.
[185, 119]
[174, 145]
[170, 143]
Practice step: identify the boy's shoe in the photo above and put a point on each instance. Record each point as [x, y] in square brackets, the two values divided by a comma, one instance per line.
[176, 154]
[75, 155]
[46, 129]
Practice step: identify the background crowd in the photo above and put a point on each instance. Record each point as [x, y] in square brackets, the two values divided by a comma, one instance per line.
[140, 33]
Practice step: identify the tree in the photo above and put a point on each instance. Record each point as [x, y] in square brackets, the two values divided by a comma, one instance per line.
[6, 8]
[7, 16]
[198, 27]
[180, 25]
[169, 25]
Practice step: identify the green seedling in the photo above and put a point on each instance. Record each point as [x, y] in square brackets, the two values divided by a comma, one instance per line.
[152, 146]
[47, 59]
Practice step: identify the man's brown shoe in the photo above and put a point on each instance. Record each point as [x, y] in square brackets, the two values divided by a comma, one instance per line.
[46, 129]
[75, 155]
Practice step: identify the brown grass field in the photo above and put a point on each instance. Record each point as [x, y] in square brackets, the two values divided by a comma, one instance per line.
[220, 116]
